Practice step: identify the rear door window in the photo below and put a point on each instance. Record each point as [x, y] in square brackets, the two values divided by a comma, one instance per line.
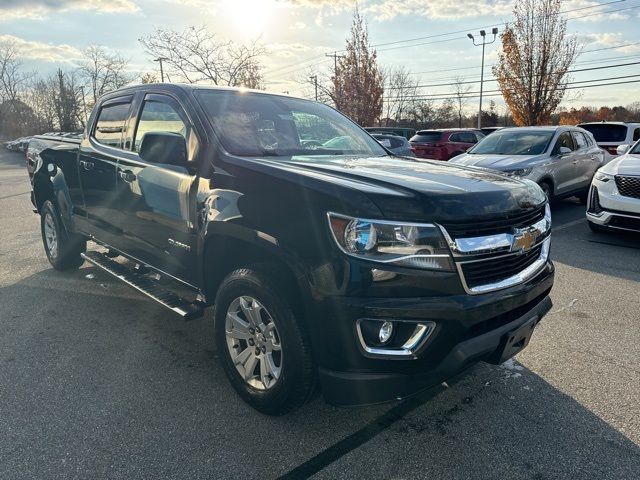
[581, 141]
[455, 138]
[426, 137]
[636, 134]
[110, 124]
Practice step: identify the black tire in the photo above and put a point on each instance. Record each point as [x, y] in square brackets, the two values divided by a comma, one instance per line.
[546, 189]
[597, 228]
[297, 377]
[583, 197]
[65, 249]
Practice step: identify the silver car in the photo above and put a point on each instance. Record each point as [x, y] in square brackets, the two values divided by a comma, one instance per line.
[562, 160]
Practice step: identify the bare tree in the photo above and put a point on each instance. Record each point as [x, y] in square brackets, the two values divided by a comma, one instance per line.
[400, 94]
[460, 91]
[535, 59]
[12, 76]
[195, 55]
[103, 71]
[358, 82]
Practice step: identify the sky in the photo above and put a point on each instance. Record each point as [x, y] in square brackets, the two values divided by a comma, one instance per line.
[427, 37]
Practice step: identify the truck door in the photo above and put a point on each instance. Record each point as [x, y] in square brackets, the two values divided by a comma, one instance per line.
[565, 169]
[97, 163]
[155, 196]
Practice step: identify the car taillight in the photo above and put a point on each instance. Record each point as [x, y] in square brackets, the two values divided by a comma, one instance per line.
[613, 150]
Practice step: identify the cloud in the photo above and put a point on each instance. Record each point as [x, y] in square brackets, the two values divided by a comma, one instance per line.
[445, 9]
[38, 9]
[43, 51]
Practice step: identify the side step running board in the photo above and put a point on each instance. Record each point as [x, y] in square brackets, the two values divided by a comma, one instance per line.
[149, 287]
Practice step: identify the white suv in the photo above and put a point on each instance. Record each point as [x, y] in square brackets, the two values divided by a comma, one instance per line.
[611, 135]
[614, 197]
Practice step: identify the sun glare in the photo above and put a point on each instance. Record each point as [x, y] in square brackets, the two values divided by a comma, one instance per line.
[250, 17]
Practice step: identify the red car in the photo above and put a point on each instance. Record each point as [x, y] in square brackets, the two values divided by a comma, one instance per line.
[444, 144]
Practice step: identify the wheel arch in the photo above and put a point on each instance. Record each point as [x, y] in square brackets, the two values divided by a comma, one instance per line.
[222, 254]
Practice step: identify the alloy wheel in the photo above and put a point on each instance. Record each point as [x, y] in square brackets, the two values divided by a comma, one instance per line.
[50, 235]
[253, 342]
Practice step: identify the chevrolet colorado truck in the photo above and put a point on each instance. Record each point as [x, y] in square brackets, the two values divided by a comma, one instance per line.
[329, 263]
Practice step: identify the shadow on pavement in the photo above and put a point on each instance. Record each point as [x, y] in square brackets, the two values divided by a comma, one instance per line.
[96, 381]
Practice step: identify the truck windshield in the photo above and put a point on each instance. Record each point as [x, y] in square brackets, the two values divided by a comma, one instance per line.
[255, 124]
[514, 142]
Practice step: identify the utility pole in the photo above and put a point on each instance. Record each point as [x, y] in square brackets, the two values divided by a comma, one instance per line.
[483, 34]
[159, 60]
[314, 79]
[335, 71]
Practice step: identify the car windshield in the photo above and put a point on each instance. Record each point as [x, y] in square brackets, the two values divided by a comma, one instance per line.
[513, 142]
[256, 124]
[606, 132]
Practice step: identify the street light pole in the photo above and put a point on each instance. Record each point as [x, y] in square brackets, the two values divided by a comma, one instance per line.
[483, 34]
[159, 60]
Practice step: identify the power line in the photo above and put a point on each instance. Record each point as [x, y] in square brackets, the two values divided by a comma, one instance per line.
[495, 80]
[487, 26]
[307, 60]
[497, 93]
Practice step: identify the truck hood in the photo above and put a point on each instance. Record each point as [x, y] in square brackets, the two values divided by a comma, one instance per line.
[413, 190]
[497, 162]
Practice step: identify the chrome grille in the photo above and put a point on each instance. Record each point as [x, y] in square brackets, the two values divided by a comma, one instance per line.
[474, 228]
[496, 269]
[628, 186]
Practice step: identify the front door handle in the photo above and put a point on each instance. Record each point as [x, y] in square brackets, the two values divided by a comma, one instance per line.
[127, 175]
[87, 165]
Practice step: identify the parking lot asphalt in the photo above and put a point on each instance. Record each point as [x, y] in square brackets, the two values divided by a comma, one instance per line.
[98, 382]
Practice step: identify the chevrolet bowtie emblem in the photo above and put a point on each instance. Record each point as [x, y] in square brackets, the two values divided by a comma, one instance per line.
[523, 239]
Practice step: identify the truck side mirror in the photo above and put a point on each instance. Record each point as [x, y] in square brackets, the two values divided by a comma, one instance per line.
[166, 148]
[622, 149]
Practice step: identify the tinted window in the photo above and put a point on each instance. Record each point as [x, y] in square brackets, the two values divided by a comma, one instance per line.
[110, 124]
[564, 140]
[158, 117]
[636, 134]
[606, 132]
[397, 142]
[426, 137]
[514, 142]
[581, 142]
[467, 137]
[254, 124]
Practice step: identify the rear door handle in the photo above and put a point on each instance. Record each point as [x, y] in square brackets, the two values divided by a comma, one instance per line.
[127, 175]
[87, 165]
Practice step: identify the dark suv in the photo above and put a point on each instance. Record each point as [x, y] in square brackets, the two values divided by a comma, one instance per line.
[443, 144]
[327, 260]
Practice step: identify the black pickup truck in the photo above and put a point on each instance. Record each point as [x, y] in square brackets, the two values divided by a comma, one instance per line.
[328, 261]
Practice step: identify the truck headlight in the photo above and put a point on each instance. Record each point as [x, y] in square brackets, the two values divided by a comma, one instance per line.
[417, 245]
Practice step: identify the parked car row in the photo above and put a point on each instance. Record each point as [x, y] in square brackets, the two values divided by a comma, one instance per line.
[564, 161]
[18, 145]
[21, 144]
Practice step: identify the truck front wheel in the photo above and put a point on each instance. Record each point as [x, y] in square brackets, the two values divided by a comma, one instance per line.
[63, 250]
[263, 349]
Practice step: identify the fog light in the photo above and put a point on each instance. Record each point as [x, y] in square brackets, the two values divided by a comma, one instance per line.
[386, 330]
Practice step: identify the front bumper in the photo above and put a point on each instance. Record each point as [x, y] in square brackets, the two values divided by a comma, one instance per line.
[612, 210]
[469, 329]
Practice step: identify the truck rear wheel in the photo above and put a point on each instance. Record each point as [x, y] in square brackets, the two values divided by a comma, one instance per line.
[63, 250]
[264, 351]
